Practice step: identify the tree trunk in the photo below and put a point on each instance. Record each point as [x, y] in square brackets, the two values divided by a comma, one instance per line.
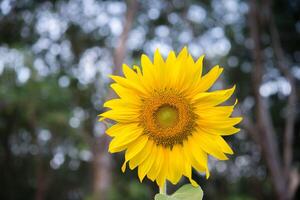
[265, 135]
[265, 127]
[102, 160]
[101, 168]
[41, 182]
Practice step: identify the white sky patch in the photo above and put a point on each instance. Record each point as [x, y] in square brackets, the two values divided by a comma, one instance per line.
[163, 47]
[215, 43]
[14, 59]
[102, 19]
[23, 74]
[248, 103]
[50, 25]
[90, 8]
[136, 38]
[1, 66]
[74, 122]
[72, 152]
[116, 26]
[105, 70]
[99, 129]
[195, 49]
[93, 15]
[173, 18]
[116, 8]
[296, 71]
[230, 11]
[153, 13]
[233, 61]
[64, 81]
[162, 31]
[5, 7]
[221, 167]
[242, 161]
[78, 116]
[44, 136]
[185, 36]
[41, 44]
[196, 14]
[85, 155]
[89, 65]
[41, 67]
[279, 85]
[57, 160]
[66, 50]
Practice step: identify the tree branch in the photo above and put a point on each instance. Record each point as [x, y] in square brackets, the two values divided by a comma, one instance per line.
[251, 128]
[292, 99]
[290, 120]
[120, 50]
[263, 118]
[102, 160]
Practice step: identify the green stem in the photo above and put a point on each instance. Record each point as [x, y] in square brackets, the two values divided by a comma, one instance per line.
[163, 189]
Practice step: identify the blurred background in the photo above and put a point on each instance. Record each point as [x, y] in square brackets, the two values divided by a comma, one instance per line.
[55, 58]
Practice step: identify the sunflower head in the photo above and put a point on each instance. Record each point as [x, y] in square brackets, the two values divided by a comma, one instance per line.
[167, 120]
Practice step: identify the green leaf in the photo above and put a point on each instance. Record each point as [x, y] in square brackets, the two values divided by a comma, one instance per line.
[186, 192]
[162, 197]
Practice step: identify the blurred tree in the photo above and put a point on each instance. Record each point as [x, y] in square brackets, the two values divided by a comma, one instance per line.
[55, 56]
[285, 179]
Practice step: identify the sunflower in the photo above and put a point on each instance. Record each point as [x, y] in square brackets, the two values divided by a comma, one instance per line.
[166, 119]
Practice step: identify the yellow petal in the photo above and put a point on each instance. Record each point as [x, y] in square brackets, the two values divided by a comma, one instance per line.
[220, 130]
[158, 60]
[176, 164]
[142, 155]
[171, 59]
[130, 74]
[127, 83]
[147, 164]
[183, 54]
[149, 73]
[135, 148]
[126, 94]
[190, 156]
[115, 129]
[196, 155]
[161, 178]
[138, 70]
[187, 169]
[208, 99]
[121, 103]
[185, 74]
[223, 144]
[214, 112]
[199, 66]
[129, 134]
[122, 115]
[209, 146]
[209, 79]
[196, 74]
[157, 165]
[136, 78]
[160, 70]
[218, 123]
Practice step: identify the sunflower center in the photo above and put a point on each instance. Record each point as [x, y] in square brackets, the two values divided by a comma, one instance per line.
[166, 116]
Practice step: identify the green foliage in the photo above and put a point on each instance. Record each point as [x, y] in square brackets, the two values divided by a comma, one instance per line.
[186, 192]
[32, 37]
[134, 190]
